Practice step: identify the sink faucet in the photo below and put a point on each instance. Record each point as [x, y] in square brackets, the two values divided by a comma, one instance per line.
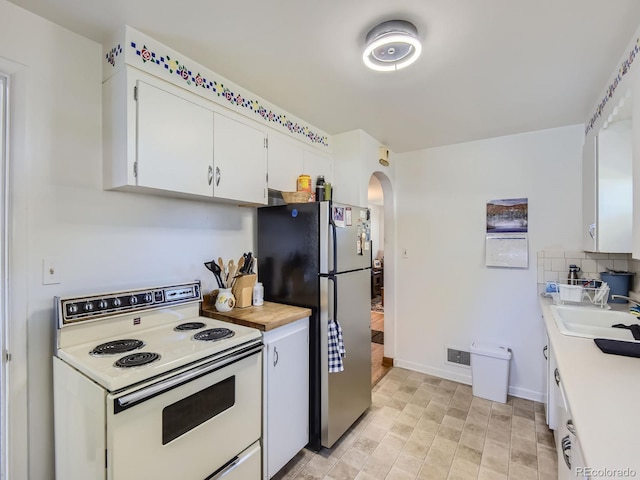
[626, 298]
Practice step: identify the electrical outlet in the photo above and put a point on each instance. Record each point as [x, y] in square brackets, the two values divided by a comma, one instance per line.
[50, 272]
[405, 254]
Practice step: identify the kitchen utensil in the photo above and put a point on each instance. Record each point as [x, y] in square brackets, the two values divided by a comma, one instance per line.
[240, 264]
[248, 263]
[214, 268]
[232, 275]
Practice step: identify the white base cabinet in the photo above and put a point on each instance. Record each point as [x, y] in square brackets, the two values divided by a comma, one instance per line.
[286, 395]
[162, 139]
[571, 463]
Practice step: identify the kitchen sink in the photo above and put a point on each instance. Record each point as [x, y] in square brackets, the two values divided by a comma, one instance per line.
[591, 322]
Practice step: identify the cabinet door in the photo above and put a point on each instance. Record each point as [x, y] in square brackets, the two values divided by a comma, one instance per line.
[285, 163]
[615, 188]
[545, 354]
[607, 189]
[287, 415]
[174, 142]
[315, 164]
[589, 186]
[553, 391]
[240, 161]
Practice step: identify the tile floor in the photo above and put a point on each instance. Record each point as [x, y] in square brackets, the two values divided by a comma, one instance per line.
[423, 427]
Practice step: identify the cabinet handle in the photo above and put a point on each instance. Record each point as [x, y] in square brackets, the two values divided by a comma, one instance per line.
[544, 352]
[217, 176]
[275, 356]
[592, 231]
[210, 174]
[570, 427]
[556, 375]
[566, 451]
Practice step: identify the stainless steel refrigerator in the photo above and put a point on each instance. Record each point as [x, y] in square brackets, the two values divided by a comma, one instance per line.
[317, 255]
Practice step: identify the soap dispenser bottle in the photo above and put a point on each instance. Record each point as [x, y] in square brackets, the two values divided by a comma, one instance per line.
[572, 279]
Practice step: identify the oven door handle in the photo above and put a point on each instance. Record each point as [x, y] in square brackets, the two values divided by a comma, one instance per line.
[143, 394]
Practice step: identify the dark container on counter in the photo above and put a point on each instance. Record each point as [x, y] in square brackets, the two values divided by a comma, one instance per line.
[320, 188]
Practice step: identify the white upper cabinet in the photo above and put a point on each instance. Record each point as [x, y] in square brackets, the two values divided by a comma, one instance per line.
[160, 138]
[289, 158]
[285, 163]
[607, 187]
[240, 161]
[315, 164]
[174, 142]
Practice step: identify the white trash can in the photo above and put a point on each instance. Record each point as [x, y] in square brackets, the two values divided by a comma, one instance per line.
[490, 371]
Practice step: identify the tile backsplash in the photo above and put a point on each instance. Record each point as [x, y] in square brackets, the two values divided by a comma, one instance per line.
[554, 265]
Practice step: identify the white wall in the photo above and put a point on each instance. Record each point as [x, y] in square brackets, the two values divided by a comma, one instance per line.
[377, 230]
[102, 240]
[445, 293]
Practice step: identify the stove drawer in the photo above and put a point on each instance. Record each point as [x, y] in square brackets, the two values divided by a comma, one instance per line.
[190, 430]
[245, 466]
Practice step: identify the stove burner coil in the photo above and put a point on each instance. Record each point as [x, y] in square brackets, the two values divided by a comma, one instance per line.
[117, 346]
[136, 359]
[190, 326]
[213, 334]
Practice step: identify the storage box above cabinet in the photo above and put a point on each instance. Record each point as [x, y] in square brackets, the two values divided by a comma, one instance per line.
[159, 138]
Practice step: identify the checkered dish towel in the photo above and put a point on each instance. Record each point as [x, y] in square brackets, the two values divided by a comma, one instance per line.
[336, 347]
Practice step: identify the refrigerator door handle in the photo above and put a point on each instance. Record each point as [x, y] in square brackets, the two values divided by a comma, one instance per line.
[334, 310]
[334, 244]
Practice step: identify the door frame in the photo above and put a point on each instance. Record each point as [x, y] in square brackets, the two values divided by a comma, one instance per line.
[4, 278]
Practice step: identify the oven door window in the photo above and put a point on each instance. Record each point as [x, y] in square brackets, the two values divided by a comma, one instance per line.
[186, 414]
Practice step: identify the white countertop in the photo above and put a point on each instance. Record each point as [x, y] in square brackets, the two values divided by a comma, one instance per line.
[603, 392]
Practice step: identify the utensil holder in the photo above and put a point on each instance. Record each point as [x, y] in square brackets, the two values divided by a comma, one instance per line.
[243, 290]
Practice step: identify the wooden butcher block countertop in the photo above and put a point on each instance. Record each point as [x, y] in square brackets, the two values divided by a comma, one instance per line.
[265, 317]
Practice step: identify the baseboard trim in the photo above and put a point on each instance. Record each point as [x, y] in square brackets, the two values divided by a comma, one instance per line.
[466, 379]
[436, 372]
[387, 362]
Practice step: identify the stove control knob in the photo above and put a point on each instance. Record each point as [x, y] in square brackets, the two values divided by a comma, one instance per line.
[102, 304]
[73, 308]
[117, 302]
[133, 300]
[148, 297]
[88, 306]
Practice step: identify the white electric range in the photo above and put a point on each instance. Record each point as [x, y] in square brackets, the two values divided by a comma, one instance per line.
[146, 388]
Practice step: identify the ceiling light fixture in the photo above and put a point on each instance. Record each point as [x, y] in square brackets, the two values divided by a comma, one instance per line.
[392, 45]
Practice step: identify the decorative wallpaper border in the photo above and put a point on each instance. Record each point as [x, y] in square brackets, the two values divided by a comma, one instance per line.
[622, 71]
[112, 54]
[195, 80]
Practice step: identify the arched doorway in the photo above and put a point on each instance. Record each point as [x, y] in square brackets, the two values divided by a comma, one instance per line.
[380, 364]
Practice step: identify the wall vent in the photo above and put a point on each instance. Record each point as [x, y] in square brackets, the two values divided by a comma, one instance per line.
[458, 357]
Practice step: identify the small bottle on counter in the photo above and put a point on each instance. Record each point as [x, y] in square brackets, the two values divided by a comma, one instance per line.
[258, 294]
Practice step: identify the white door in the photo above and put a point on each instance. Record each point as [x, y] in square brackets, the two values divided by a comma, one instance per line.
[174, 142]
[4, 407]
[240, 161]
